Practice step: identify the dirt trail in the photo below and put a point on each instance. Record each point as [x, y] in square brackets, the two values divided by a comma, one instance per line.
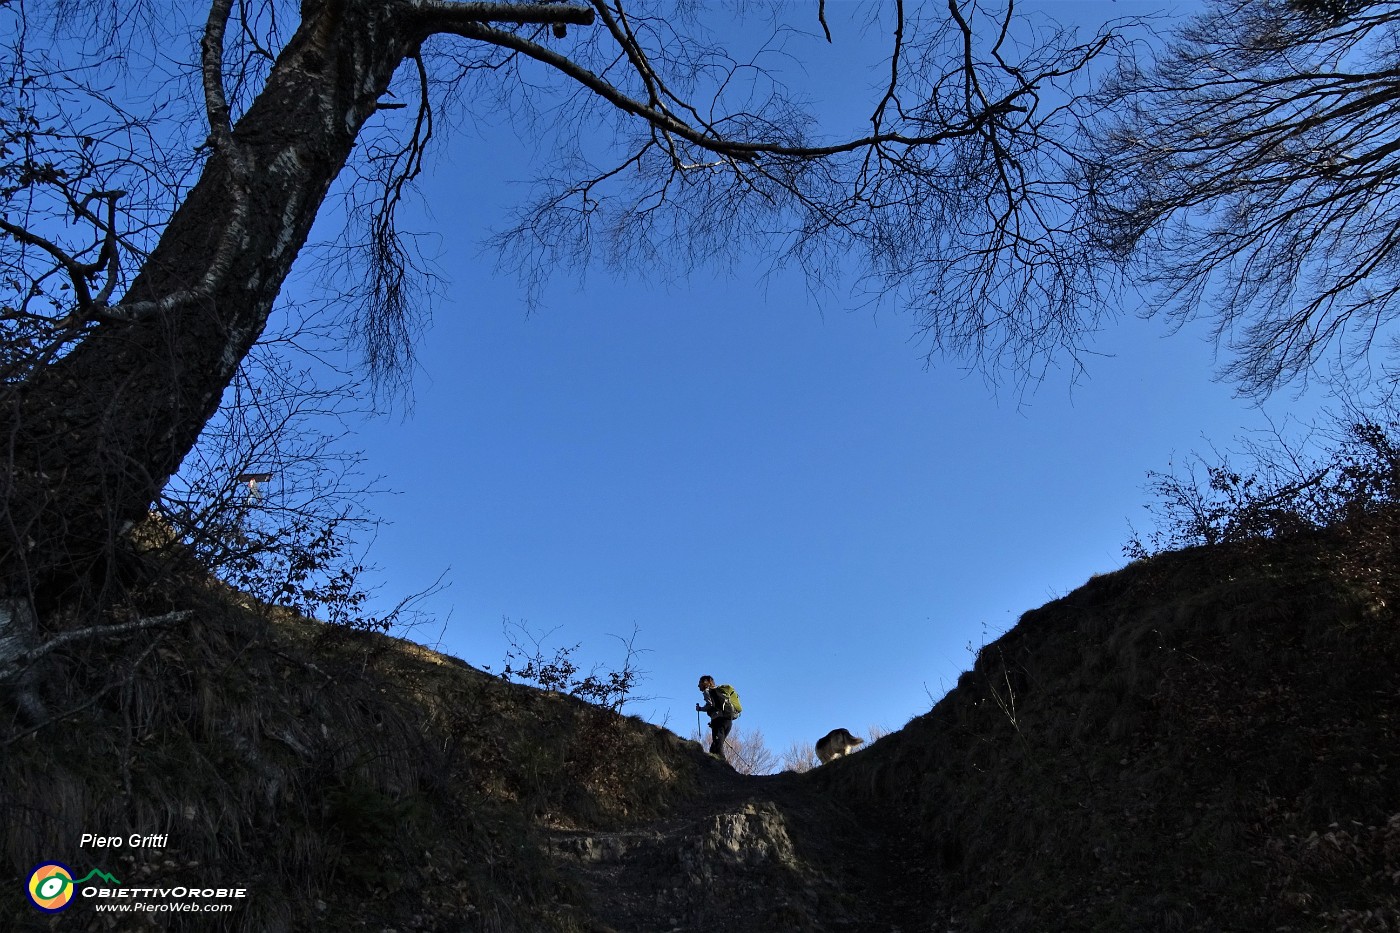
[752, 854]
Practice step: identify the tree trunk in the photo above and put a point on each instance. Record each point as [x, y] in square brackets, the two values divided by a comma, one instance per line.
[92, 438]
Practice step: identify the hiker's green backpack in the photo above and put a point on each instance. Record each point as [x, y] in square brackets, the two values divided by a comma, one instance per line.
[732, 707]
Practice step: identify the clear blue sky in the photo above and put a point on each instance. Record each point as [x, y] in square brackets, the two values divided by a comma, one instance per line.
[779, 495]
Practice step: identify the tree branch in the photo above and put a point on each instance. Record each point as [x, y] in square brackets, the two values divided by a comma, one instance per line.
[444, 13]
[101, 631]
[733, 149]
[81, 293]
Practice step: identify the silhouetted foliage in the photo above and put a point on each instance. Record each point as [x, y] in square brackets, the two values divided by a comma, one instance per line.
[530, 660]
[1278, 486]
[272, 502]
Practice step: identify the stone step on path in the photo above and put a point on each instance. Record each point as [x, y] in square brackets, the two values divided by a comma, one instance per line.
[750, 854]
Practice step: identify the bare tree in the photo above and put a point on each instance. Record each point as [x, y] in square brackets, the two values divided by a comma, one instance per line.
[746, 750]
[146, 263]
[1249, 172]
[800, 757]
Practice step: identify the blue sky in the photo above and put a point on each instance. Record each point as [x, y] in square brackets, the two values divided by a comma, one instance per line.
[779, 494]
[782, 498]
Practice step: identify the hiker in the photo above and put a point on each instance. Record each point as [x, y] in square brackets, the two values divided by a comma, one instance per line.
[722, 703]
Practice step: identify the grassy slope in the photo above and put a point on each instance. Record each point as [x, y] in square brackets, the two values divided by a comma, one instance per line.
[1207, 741]
[347, 781]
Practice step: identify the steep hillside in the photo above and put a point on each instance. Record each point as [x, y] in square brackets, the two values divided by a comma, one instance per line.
[1203, 741]
[344, 781]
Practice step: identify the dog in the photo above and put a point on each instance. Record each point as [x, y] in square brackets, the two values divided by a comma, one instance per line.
[835, 744]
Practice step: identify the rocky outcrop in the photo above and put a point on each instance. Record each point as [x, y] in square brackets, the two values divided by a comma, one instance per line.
[749, 854]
